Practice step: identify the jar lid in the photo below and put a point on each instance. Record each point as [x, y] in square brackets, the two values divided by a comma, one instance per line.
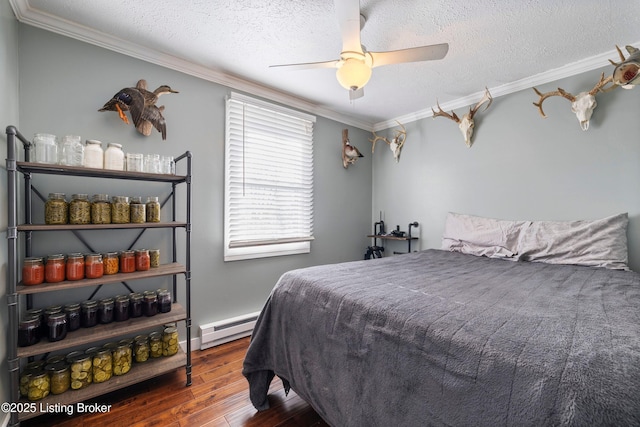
[101, 351]
[122, 298]
[79, 356]
[30, 321]
[34, 366]
[136, 199]
[72, 138]
[149, 293]
[109, 254]
[101, 197]
[55, 257]
[57, 317]
[93, 257]
[89, 303]
[34, 311]
[56, 368]
[106, 301]
[44, 136]
[120, 199]
[142, 251]
[93, 142]
[125, 342]
[152, 199]
[128, 252]
[33, 260]
[80, 196]
[75, 255]
[113, 144]
[155, 335]
[56, 195]
[55, 359]
[72, 306]
[92, 351]
[110, 345]
[140, 338]
[135, 296]
[53, 309]
[170, 330]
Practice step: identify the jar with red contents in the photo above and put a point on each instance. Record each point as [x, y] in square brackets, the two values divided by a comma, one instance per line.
[127, 261]
[93, 266]
[75, 266]
[54, 270]
[143, 262]
[32, 271]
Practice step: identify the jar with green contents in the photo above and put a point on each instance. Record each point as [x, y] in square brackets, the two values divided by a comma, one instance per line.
[155, 344]
[59, 377]
[137, 210]
[81, 371]
[120, 210]
[153, 209]
[102, 365]
[39, 386]
[100, 209]
[80, 209]
[56, 209]
[170, 341]
[122, 358]
[141, 348]
[28, 371]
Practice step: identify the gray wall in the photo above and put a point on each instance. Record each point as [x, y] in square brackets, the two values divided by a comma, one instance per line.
[63, 82]
[9, 115]
[521, 166]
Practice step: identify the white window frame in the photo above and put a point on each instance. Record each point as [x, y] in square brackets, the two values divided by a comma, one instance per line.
[248, 248]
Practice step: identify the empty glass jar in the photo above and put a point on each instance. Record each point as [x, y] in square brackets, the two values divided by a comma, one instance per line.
[45, 148]
[72, 151]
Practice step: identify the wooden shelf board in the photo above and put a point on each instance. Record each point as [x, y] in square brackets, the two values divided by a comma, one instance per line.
[385, 237]
[84, 336]
[163, 270]
[80, 227]
[139, 372]
[44, 168]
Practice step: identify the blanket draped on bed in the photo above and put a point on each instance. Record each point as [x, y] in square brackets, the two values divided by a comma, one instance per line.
[441, 338]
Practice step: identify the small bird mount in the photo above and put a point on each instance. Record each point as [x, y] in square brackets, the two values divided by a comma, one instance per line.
[349, 152]
[141, 105]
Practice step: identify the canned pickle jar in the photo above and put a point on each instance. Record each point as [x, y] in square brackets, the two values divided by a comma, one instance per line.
[80, 209]
[141, 348]
[81, 371]
[59, 377]
[170, 341]
[155, 344]
[153, 209]
[32, 271]
[122, 358]
[56, 209]
[100, 209]
[120, 210]
[102, 365]
[39, 386]
[137, 211]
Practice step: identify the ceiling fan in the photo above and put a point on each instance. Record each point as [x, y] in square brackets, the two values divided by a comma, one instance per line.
[356, 63]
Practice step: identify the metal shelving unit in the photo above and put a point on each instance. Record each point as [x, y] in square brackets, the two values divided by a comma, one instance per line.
[16, 290]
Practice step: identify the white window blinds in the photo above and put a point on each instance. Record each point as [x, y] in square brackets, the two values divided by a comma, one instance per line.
[268, 179]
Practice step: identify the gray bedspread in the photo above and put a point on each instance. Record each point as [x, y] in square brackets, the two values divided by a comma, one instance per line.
[441, 338]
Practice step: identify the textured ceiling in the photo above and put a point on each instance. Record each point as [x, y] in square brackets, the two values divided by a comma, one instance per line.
[492, 43]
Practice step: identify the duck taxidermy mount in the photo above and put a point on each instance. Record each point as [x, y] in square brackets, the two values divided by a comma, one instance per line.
[141, 105]
[350, 153]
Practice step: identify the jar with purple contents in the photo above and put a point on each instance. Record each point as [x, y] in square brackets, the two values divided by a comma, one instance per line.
[150, 304]
[73, 316]
[29, 331]
[105, 310]
[121, 308]
[89, 313]
[57, 323]
[135, 304]
[164, 301]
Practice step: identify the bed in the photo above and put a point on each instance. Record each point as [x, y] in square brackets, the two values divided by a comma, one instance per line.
[442, 337]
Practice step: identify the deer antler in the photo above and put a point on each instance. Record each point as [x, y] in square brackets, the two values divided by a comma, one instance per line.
[543, 96]
[376, 139]
[486, 97]
[453, 116]
[603, 82]
[622, 58]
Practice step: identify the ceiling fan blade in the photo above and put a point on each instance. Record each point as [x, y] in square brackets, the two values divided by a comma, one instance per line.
[355, 94]
[308, 65]
[348, 12]
[414, 54]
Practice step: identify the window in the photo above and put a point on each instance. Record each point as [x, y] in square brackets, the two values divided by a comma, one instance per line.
[268, 180]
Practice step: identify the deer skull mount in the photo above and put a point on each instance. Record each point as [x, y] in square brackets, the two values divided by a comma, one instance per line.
[466, 124]
[627, 71]
[582, 104]
[395, 145]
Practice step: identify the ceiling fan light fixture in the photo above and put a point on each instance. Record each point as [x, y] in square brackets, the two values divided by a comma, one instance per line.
[353, 74]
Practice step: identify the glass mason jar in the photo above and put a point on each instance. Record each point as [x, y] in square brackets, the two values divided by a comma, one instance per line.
[100, 209]
[135, 304]
[59, 377]
[94, 268]
[29, 331]
[164, 301]
[114, 157]
[73, 316]
[167, 165]
[150, 303]
[153, 209]
[170, 341]
[81, 371]
[89, 313]
[56, 209]
[121, 308]
[102, 365]
[57, 324]
[75, 266]
[137, 211]
[39, 385]
[93, 154]
[155, 344]
[120, 210]
[105, 310]
[152, 163]
[127, 261]
[122, 358]
[154, 258]
[32, 271]
[40, 313]
[72, 151]
[46, 148]
[141, 348]
[111, 262]
[54, 270]
[143, 262]
[135, 162]
[80, 209]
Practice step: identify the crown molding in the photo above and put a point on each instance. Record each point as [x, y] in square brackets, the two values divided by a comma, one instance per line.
[584, 65]
[27, 15]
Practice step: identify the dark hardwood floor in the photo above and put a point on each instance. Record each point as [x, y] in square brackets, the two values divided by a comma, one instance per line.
[218, 397]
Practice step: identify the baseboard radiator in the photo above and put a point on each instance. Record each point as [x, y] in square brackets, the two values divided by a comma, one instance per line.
[226, 330]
